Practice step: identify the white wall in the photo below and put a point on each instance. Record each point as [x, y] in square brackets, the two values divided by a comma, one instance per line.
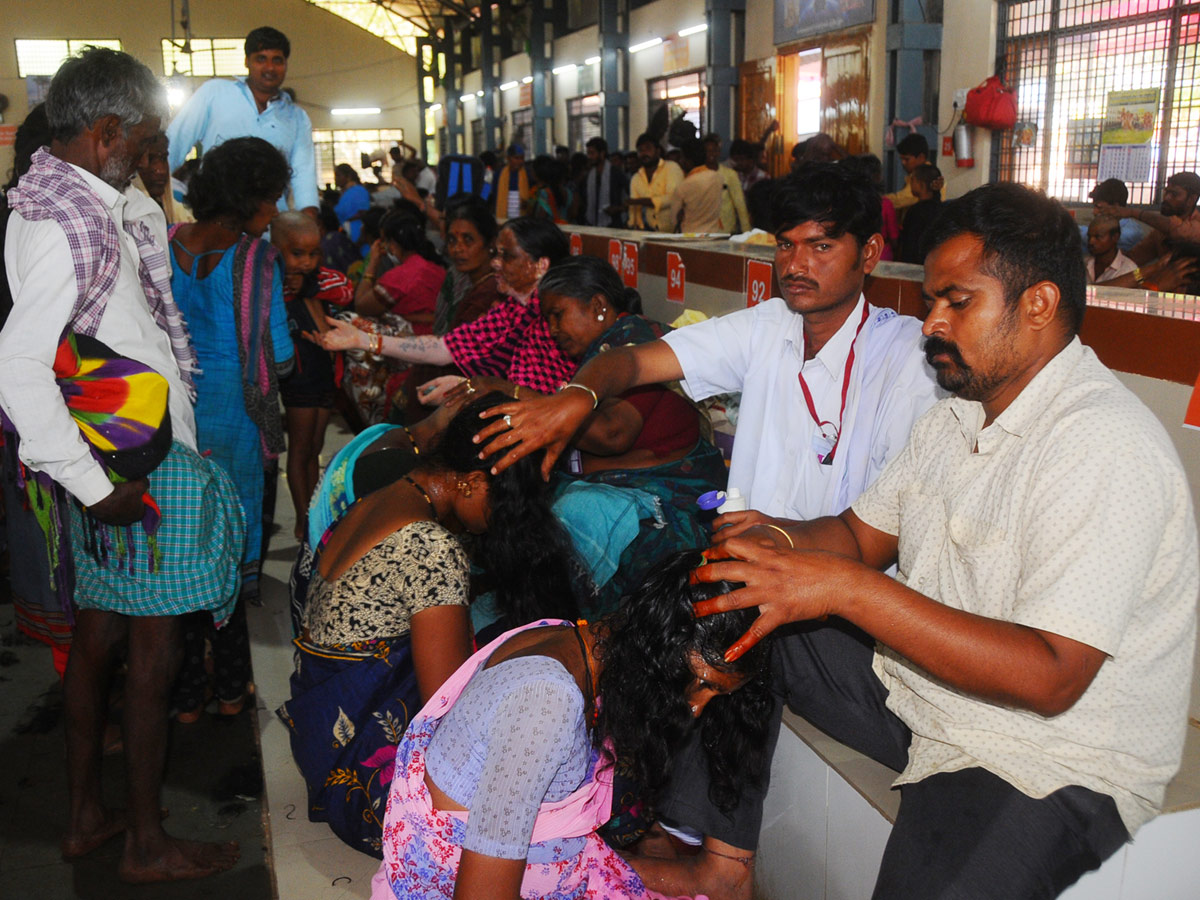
[333, 62]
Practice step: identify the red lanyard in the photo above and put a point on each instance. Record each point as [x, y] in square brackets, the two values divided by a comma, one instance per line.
[827, 459]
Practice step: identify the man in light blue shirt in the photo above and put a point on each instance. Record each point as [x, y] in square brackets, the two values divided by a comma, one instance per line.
[253, 106]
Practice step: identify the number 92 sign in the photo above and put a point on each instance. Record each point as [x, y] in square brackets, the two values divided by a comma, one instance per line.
[758, 281]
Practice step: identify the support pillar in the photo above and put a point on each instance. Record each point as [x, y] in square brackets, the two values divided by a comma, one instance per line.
[543, 110]
[909, 39]
[721, 74]
[614, 65]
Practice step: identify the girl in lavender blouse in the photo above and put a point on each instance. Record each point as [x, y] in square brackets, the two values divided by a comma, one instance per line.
[503, 779]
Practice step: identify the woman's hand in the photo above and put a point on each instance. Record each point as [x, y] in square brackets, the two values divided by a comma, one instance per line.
[434, 392]
[466, 389]
[532, 424]
[341, 336]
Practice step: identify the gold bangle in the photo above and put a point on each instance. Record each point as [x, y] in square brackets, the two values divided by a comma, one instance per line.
[1137, 275]
[368, 276]
[516, 392]
[583, 387]
[791, 543]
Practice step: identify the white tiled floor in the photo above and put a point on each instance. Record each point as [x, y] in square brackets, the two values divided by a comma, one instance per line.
[309, 861]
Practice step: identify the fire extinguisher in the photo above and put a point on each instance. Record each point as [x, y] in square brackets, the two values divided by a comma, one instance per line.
[964, 146]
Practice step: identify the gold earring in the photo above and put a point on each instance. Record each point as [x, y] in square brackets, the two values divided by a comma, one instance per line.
[464, 488]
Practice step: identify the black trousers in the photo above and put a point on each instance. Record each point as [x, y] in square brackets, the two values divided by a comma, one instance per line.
[966, 834]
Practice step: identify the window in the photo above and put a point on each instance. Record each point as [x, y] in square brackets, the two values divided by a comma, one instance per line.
[682, 95]
[1064, 58]
[522, 127]
[44, 57]
[334, 147]
[583, 121]
[205, 57]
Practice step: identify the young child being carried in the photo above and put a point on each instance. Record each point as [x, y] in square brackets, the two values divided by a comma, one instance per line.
[309, 289]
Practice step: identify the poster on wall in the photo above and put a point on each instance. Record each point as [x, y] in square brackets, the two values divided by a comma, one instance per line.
[1129, 116]
[796, 19]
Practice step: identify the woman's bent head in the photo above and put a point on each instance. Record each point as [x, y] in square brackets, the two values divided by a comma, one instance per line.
[526, 554]
[664, 668]
[581, 297]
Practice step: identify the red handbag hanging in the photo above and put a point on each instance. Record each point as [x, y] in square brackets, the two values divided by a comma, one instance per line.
[991, 105]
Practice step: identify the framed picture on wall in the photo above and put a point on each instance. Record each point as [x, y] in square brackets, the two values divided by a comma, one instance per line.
[796, 19]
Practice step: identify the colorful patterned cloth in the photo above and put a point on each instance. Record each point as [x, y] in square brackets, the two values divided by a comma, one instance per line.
[349, 708]
[511, 341]
[422, 846]
[52, 189]
[199, 545]
[119, 404]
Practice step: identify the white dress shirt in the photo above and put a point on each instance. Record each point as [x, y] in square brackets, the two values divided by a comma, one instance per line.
[1069, 513]
[41, 275]
[760, 352]
[1121, 265]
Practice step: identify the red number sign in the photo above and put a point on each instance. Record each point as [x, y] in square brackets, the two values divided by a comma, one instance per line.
[676, 277]
[629, 264]
[614, 254]
[758, 281]
[576, 245]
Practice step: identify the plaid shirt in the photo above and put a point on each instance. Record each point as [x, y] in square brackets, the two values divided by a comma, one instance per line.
[51, 189]
[511, 341]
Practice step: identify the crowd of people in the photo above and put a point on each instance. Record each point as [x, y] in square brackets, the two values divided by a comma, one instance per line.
[526, 664]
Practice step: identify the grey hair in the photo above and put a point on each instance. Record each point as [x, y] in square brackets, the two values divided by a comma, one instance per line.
[101, 82]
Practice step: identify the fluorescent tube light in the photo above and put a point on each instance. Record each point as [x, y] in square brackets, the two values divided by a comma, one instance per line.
[509, 85]
[645, 45]
[562, 70]
[356, 111]
[695, 29]
[591, 60]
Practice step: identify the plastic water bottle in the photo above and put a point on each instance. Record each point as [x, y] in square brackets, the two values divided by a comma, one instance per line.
[734, 502]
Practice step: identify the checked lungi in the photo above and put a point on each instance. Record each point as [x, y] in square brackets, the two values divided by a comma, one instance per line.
[194, 560]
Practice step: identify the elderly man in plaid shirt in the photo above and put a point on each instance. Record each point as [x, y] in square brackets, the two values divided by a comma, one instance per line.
[82, 259]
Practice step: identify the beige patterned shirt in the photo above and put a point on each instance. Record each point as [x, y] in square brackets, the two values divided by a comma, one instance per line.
[1074, 517]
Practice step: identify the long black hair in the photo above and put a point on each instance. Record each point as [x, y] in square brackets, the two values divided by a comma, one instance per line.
[583, 277]
[526, 553]
[647, 673]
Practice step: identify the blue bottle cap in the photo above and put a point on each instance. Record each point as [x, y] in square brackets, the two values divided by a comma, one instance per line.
[711, 500]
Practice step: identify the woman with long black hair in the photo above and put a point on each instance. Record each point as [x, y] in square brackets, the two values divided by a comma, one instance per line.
[386, 619]
[503, 778]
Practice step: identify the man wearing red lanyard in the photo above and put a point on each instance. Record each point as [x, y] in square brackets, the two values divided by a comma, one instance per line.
[830, 385]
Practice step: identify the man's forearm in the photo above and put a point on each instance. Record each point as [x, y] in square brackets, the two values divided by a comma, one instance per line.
[1000, 661]
[615, 371]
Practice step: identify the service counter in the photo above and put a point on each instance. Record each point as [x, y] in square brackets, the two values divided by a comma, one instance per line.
[830, 809]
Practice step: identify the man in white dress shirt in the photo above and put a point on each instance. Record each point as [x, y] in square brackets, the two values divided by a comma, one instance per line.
[81, 258]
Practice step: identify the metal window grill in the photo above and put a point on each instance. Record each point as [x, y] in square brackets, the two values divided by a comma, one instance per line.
[205, 57]
[43, 57]
[1063, 57]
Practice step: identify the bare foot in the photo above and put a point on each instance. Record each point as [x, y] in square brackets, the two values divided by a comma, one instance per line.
[93, 834]
[177, 860]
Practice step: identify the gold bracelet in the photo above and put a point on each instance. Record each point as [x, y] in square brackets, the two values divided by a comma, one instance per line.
[583, 387]
[791, 543]
[516, 392]
[368, 276]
